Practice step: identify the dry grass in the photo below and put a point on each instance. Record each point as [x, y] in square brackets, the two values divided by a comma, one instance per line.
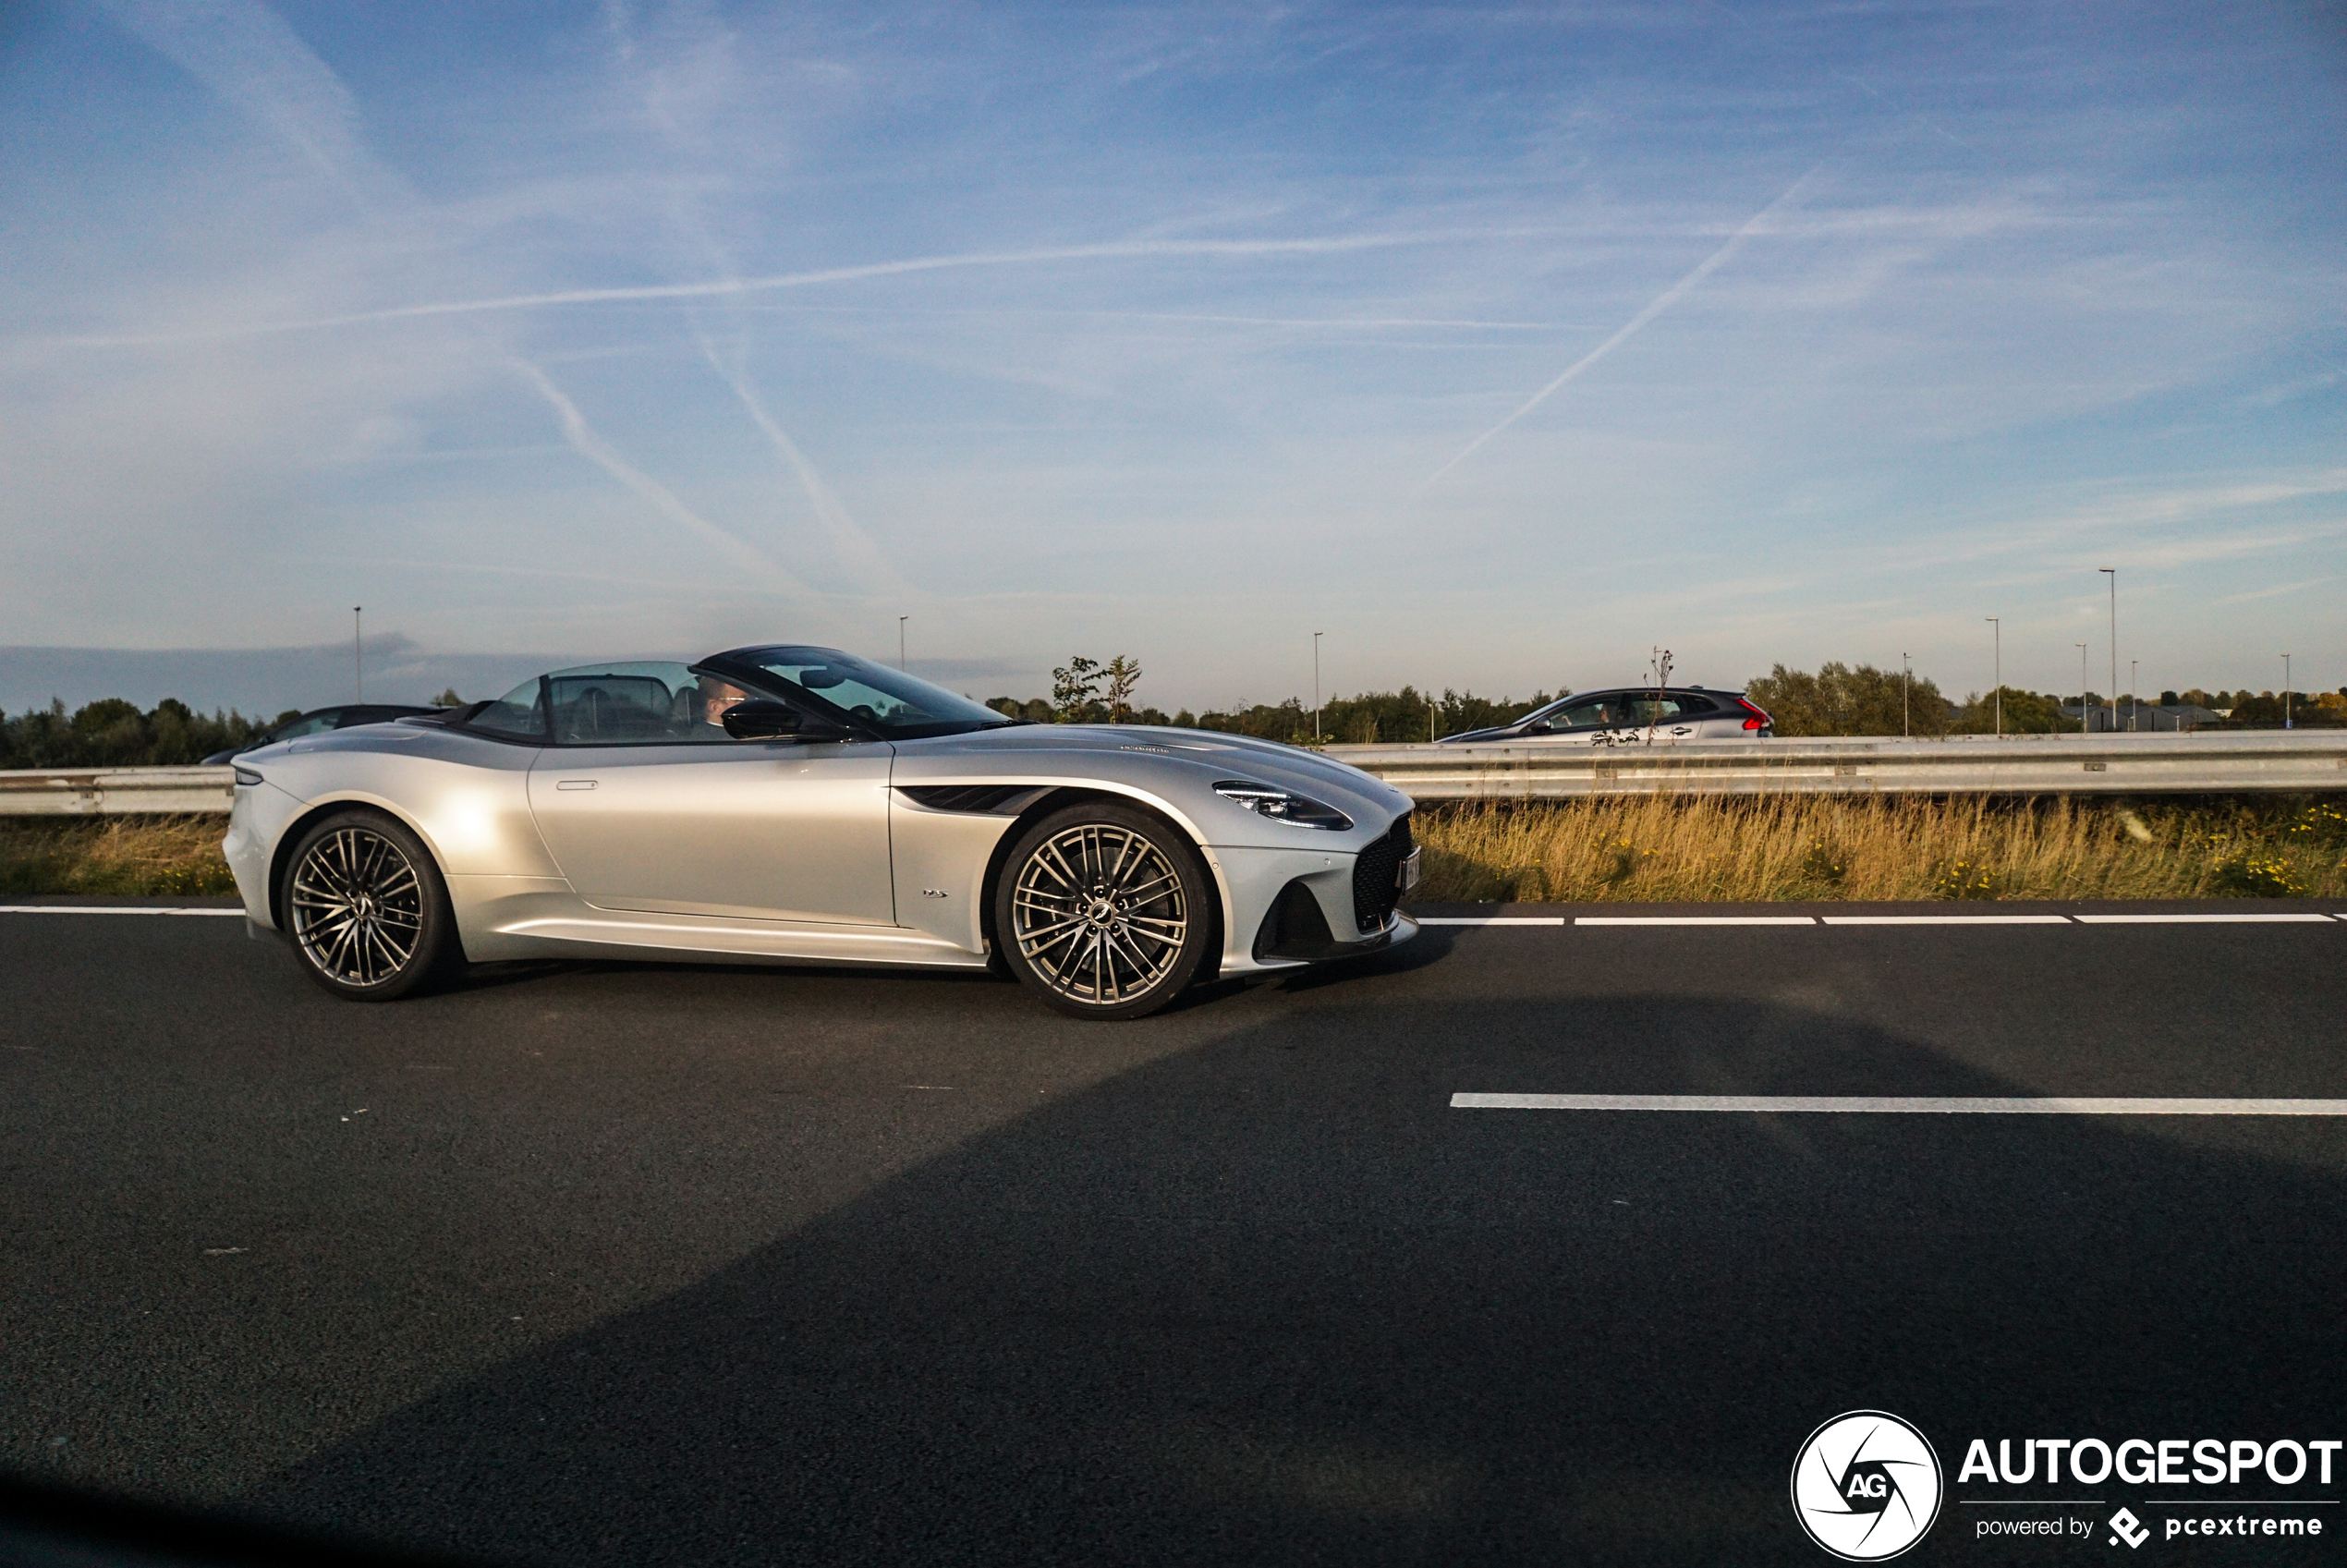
[1634, 849]
[113, 854]
[1655, 848]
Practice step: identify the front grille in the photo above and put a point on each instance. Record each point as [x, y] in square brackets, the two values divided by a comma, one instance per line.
[1377, 876]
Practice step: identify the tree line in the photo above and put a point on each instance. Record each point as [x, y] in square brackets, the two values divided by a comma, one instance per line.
[112, 733]
[1836, 699]
[1366, 718]
[1841, 699]
[1087, 691]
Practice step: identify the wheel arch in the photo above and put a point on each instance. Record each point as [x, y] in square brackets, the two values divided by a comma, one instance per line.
[281, 858]
[1066, 795]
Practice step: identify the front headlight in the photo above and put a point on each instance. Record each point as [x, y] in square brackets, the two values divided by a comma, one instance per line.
[247, 777]
[1283, 805]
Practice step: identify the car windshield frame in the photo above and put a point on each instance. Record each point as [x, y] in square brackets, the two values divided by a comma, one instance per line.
[741, 668]
[747, 666]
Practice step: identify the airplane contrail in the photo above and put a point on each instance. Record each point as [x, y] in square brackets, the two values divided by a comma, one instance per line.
[847, 537]
[587, 445]
[1661, 303]
[728, 286]
[244, 52]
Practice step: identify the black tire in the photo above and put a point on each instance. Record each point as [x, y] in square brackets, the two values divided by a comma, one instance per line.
[1104, 911]
[365, 909]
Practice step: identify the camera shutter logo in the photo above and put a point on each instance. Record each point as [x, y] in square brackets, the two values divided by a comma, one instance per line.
[1866, 1485]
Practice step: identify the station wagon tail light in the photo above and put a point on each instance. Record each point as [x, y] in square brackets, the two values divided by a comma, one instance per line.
[1752, 718]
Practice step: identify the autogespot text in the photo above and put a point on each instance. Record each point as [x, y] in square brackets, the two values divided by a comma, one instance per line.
[2166, 1461]
[2169, 1462]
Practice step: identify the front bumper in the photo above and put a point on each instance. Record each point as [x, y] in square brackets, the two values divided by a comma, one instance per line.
[1291, 907]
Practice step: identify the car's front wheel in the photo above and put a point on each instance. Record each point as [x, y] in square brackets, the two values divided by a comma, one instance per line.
[366, 907]
[1104, 910]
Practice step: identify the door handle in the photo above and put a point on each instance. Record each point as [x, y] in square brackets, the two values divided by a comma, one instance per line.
[574, 783]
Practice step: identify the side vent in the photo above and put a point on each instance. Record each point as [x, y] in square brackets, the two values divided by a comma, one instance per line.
[976, 798]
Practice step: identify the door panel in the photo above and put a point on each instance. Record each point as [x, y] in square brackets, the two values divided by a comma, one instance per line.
[758, 829]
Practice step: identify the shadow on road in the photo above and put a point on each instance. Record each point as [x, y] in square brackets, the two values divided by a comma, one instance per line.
[1270, 1300]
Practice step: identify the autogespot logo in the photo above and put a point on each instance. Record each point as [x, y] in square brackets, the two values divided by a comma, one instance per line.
[1865, 1486]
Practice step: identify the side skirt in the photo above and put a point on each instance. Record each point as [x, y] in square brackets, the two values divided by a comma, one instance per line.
[511, 918]
[640, 937]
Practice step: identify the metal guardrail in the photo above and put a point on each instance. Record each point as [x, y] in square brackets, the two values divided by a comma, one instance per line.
[2115, 764]
[114, 792]
[2249, 760]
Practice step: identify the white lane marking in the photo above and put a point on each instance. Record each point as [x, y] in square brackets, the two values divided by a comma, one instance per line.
[2195, 920]
[1694, 920]
[1862, 919]
[1946, 920]
[1489, 919]
[2035, 1105]
[108, 909]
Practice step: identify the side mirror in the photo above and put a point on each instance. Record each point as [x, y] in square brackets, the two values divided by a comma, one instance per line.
[759, 718]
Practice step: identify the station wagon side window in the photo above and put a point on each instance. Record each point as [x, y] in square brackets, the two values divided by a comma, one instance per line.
[1591, 713]
[1670, 708]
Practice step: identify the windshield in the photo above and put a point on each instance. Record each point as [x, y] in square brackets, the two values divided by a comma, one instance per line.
[890, 701]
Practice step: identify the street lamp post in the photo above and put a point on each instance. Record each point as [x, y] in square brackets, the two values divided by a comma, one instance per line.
[358, 654]
[900, 643]
[1316, 688]
[1999, 633]
[2286, 723]
[2112, 573]
[2134, 700]
[1906, 673]
[2082, 688]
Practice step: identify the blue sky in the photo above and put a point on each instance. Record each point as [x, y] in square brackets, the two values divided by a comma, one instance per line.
[1500, 344]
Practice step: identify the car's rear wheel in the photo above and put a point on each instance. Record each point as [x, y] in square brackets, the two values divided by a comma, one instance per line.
[1103, 911]
[366, 907]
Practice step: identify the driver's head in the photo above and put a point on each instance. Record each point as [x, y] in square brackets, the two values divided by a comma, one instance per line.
[716, 697]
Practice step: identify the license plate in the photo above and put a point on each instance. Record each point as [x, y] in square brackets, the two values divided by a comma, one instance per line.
[1406, 877]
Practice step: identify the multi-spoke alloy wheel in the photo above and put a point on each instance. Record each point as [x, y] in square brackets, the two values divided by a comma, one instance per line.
[365, 907]
[1099, 909]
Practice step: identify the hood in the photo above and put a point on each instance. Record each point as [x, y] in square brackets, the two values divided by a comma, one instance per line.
[1226, 755]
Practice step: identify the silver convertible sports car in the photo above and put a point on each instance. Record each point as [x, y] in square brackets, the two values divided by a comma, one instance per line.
[786, 803]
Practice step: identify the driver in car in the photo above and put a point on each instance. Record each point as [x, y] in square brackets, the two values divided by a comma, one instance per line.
[716, 698]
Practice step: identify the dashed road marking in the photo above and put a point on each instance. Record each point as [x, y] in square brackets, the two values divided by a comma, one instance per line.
[1876, 1104]
[1694, 920]
[1878, 919]
[1946, 920]
[109, 909]
[2197, 919]
[1488, 919]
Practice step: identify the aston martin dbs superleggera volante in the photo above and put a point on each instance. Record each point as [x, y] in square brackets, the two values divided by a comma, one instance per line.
[786, 803]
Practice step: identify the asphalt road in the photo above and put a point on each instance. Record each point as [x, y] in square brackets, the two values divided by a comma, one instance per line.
[605, 1264]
